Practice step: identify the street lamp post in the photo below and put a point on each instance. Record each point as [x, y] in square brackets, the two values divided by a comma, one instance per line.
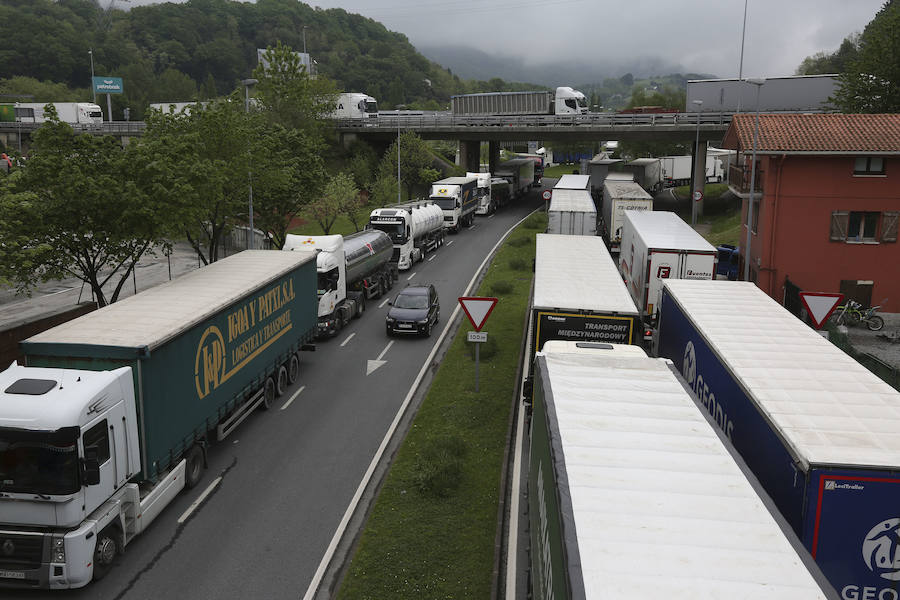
[741, 64]
[758, 83]
[93, 89]
[399, 106]
[304, 39]
[699, 103]
[247, 83]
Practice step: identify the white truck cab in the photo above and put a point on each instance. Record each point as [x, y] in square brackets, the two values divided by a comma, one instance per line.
[568, 101]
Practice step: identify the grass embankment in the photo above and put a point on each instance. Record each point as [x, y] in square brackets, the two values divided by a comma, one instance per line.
[556, 170]
[431, 531]
[721, 211]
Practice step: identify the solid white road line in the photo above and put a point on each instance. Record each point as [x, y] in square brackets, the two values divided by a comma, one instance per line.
[349, 337]
[292, 398]
[513, 540]
[351, 508]
[199, 500]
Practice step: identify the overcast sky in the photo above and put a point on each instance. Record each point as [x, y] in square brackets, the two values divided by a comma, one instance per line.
[702, 36]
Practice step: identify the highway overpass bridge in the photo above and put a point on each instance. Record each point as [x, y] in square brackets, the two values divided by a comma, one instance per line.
[471, 131]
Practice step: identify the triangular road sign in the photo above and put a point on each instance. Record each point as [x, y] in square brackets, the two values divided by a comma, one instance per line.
[477, 309]
[820, 305]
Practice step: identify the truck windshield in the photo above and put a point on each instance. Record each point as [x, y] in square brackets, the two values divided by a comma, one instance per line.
[444, 203]
[394, 230]
[372, 108]
[39, 462]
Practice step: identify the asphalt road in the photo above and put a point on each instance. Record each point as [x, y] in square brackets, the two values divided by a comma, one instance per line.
[288, 475]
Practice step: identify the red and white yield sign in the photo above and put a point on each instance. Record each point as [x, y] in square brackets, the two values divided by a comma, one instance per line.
[820, 305]
[477, 309]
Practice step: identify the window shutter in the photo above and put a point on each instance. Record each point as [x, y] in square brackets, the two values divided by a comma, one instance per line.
[889, 225]
[839, 222]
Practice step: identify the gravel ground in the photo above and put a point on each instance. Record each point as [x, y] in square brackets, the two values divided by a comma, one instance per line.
[868, 341]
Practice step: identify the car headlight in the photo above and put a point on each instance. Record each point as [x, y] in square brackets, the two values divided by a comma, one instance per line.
[390, 320]
[422, 321]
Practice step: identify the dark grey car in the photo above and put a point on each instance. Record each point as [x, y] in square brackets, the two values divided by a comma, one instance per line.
[415, 310]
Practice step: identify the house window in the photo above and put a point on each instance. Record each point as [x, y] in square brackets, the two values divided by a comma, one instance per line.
[859, 226]
[755, 223]
[869, 165]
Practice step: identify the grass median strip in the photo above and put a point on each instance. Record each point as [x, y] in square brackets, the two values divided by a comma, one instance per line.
[431, 531]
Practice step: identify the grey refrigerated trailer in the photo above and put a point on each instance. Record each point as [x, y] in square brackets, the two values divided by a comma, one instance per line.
[633, 494]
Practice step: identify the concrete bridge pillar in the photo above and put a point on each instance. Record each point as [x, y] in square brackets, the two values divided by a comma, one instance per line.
[698, 178]
[493, 156]
[470, 155]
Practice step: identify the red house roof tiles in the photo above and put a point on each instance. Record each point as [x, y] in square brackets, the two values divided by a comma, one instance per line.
[816, 133]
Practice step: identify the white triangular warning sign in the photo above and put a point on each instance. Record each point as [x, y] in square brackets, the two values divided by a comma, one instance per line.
[820, 305]
[477, 309]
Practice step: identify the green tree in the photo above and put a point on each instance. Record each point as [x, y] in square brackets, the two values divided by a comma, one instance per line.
[77, 209]
[384, 190]
[206, 152]
[822, 63]
[416, 162]
[290, 96]
[290, 177]
[871, 82]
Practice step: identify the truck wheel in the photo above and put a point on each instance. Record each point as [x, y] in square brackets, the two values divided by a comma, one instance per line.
[281, 381]
[428, 329]
[268, 394]
[362, 306]
[293, 368]
[105, 552]
[193, 469]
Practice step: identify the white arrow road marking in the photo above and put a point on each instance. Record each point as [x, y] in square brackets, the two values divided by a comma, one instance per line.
[372, 365]
[349, 337]
[292, 398]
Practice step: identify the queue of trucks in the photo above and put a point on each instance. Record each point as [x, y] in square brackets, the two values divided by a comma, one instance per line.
[111, 414]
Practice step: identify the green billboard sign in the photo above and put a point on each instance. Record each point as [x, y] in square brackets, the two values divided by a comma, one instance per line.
[108, 85]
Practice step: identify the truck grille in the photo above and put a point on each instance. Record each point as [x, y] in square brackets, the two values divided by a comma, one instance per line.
[19, 552]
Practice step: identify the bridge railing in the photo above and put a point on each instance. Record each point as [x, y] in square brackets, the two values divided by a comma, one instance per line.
[445, 119]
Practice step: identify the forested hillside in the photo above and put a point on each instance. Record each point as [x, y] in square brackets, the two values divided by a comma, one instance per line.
[203, 48]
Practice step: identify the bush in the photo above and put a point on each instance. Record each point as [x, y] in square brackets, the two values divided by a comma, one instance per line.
[518, 242]
[438, 467]
[500, 288]
[517, 263]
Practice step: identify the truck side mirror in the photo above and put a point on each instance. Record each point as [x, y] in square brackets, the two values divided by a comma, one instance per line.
[90, 467]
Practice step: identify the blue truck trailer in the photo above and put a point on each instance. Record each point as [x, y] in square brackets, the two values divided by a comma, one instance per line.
[821, 432]
[110, 417]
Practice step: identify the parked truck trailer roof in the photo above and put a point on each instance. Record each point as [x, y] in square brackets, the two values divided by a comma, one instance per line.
[624, 468]
[818, 429]
[579, 293]
[796, 93]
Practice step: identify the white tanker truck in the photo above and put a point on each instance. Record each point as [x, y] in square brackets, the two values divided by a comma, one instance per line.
[349, 271]
[415, 228]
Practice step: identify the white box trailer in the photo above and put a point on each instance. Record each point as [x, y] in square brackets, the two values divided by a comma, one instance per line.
[633, 493]
[656, 246]
[647, 173]
[572, 212]
[573, 182]
[579, 294]
[619, 196]
[796, 93]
